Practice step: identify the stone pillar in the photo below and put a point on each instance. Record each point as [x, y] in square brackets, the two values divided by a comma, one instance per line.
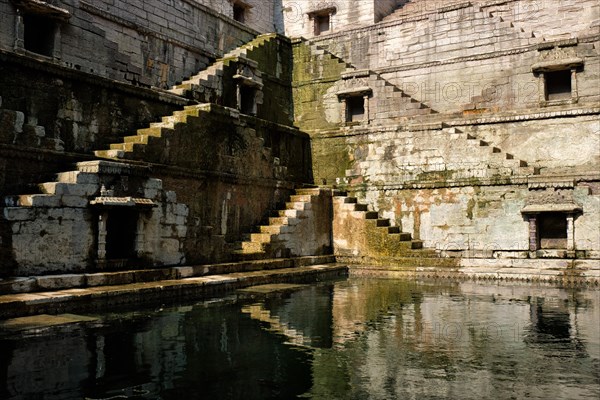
[57, 47]
[102, 220]
[542, 88]
[570, 232]
[344, 110]
[533, 235]
[139, 236]
[19, 31]
[574, 90]
[366, 107]
[238, 92]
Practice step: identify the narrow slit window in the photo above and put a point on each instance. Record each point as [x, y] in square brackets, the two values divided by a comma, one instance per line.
[558, 85]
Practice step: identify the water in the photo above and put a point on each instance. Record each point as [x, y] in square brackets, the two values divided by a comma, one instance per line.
[351, 339]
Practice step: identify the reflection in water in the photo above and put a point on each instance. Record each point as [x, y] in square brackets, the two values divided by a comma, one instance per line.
[354, 339]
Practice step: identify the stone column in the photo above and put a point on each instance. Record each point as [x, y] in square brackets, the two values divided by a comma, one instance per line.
[238, 91]
[366, 107]
[542, 88]
[344, 110]
[533, 237]
[574, 90]
[19, 31]
[102, 220]
[139, 236]
[57, 46]
[570, 232]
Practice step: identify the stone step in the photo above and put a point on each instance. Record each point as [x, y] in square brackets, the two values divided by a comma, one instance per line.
[179, 92]
[252, 247]
[309, 191]
[301, 198]
[283, 221]
[155, 291]
[33, 200]
[382, 222]
[157, 131]
[354, 207]
[288, 213]
[274, 229]
[77, 177]
[71, 189]
[110, 154]
[345, 200]
[169, 124]
[242, 255]
[263, 237]
[371, 215]
[142, 139]
[298, 205]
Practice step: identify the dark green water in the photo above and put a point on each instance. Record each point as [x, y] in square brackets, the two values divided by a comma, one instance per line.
[354, 339]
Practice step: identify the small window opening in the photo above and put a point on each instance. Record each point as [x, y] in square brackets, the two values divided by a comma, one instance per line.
[247, 100]
[121, 229]
[558, 85]
[322, 24]
[355, 109]
[552, 230]
[39, 34]
[239, 13]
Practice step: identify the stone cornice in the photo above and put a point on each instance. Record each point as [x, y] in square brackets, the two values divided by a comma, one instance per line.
[455, 121]
[523, 180]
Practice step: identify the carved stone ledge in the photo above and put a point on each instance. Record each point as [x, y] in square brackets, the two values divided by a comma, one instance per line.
[42, 8]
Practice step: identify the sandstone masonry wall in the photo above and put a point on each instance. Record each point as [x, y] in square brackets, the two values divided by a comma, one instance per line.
[458, 136]
[150, 43]
[298, 15]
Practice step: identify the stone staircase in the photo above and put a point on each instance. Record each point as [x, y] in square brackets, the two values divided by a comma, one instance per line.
[380, 236]
[290, 231]
[365, 239]
[206, 86]
[70, 189]
[498, 161]
[403, 105]
[136, 147]
[319, 51]
[443, 155]
[420, 8]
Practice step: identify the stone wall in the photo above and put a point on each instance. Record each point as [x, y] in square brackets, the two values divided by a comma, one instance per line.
[465, 61]
[220, 171]
[298, 15]
[457, 128]
[64, 117]
[150, 43]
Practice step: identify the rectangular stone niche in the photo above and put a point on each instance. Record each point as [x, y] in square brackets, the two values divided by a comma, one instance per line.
[121, 230]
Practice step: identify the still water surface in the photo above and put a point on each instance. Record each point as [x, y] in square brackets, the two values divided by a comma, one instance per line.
[350, 339]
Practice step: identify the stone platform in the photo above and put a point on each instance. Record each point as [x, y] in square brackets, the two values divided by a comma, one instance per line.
[110, 296]
[554, 271]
